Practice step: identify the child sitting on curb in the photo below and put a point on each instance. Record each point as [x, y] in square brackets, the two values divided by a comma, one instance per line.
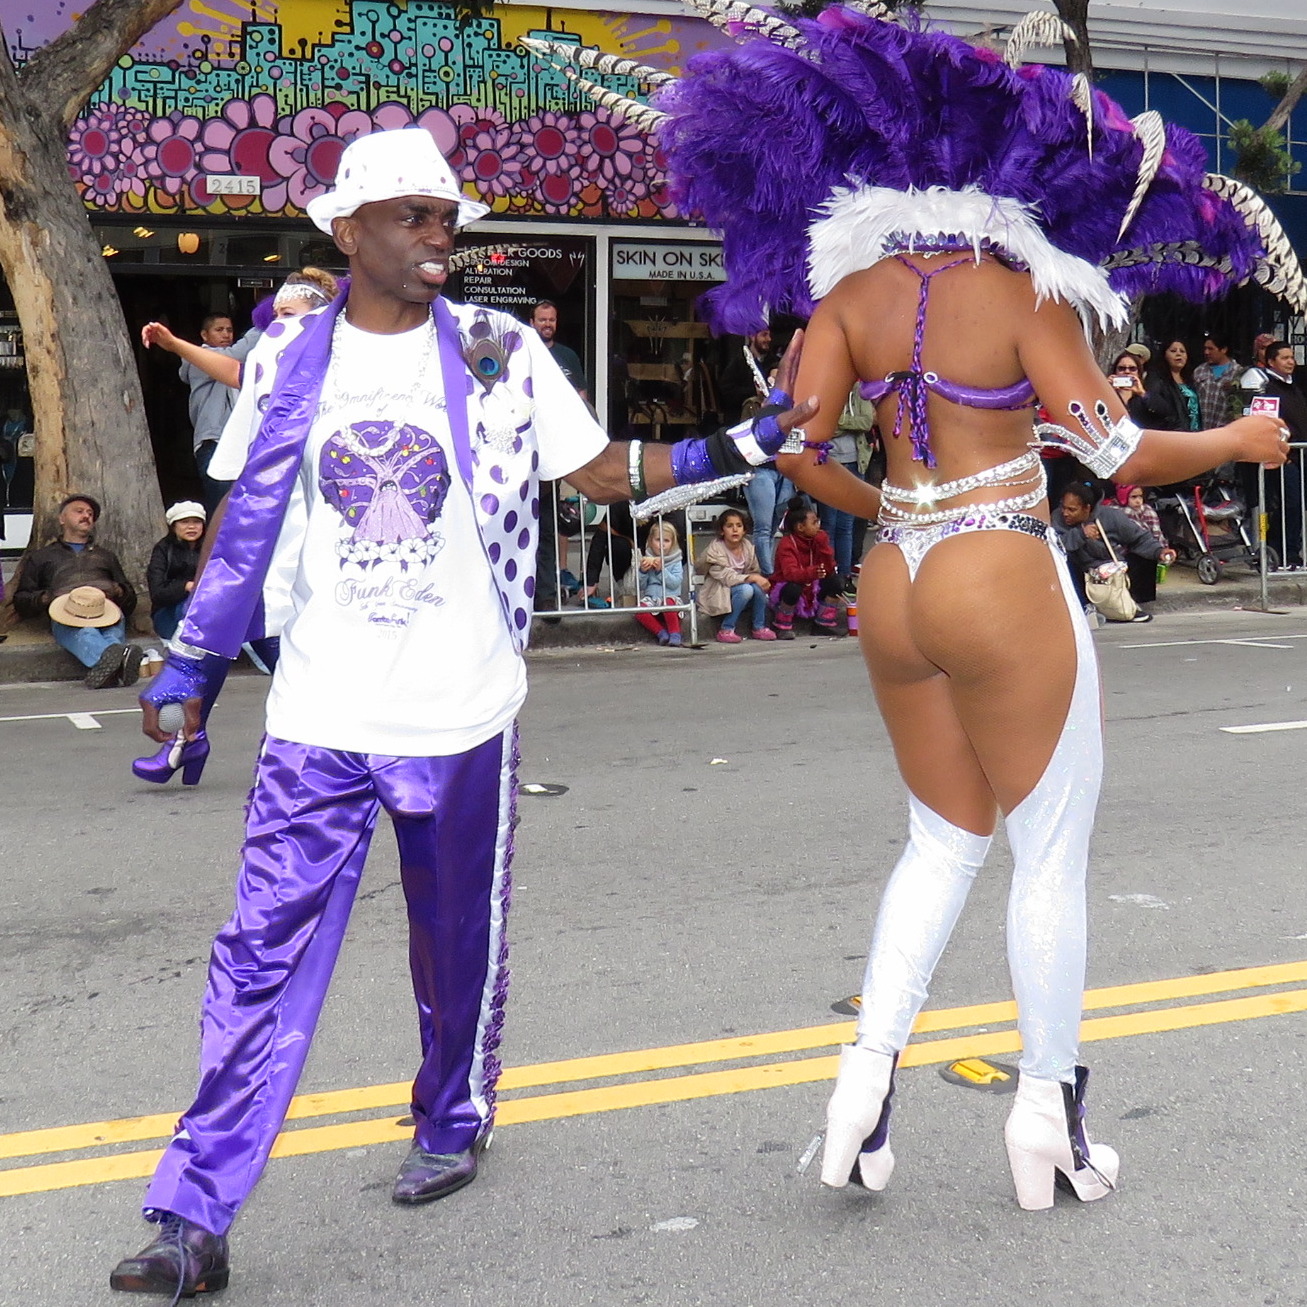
[732, 582]
[805, 580]
[661, 573]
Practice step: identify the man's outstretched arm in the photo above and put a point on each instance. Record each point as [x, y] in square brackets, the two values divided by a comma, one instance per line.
[614, 474]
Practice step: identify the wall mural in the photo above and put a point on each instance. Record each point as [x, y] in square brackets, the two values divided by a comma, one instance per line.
[277, 88]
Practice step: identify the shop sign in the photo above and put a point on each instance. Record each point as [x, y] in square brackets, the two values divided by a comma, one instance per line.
[667, 262]
[516, 279]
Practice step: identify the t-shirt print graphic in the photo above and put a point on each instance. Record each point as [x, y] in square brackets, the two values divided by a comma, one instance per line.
[388, 481]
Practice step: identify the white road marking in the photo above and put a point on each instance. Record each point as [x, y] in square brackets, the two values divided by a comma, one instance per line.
[1140, 900]
[84, 721]
[1264, 727]
[1251, 644]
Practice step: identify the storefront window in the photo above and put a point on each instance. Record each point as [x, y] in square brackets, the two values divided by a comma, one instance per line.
[16, 442]
[665, 365]
[530, 269]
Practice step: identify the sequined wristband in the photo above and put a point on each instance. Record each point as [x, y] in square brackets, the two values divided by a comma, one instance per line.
[731, 451]
[691, 462]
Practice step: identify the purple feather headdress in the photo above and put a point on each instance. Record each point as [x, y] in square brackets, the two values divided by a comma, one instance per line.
[817, 147]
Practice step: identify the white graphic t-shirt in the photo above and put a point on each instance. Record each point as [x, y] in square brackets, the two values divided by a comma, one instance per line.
[397, 641]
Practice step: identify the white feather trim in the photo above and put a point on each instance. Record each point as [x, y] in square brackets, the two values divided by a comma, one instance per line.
[859, 227]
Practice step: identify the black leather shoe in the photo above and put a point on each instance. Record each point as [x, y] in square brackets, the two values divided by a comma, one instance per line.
[424, 1176]
[184, 1260]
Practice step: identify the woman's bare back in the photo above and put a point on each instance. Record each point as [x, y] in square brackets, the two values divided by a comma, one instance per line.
[973, 320]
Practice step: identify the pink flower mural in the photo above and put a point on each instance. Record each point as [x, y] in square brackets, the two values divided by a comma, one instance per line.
[611, 150]
[240, 140]
[171, 152]
[516, 136]
[308, 151]
[487, 155]
[104, 155]
[551, 141]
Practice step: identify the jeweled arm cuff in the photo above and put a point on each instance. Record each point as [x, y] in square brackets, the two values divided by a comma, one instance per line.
[189, 650]
[678, 497]
[1100, 444]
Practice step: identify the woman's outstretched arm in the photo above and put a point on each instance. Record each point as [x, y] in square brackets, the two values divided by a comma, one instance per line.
[1061, 367]
[221, 367]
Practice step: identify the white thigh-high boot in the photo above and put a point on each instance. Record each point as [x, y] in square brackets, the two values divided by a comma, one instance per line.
[917, 914]
[1049, 834]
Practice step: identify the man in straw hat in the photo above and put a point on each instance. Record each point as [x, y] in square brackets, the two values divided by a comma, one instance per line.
[387, 452]
[86, 593]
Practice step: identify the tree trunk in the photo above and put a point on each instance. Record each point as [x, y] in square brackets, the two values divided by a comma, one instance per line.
[1079, 56]
[86, 400]
[1108, 344]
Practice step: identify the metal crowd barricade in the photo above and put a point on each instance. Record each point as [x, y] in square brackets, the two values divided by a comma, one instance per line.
[1281, 519]
[585, 549]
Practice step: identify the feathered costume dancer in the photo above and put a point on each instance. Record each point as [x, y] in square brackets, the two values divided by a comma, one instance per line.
[856, 168]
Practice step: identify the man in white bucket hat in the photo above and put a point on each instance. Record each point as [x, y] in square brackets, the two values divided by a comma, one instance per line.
[388, 452]
[387, 165]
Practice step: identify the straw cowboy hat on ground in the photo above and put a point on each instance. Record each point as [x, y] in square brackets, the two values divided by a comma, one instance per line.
[85, 606]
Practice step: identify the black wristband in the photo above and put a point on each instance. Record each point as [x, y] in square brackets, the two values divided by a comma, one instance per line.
[726, 457]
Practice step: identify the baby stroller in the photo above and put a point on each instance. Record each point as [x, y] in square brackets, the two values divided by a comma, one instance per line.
[1207, 524]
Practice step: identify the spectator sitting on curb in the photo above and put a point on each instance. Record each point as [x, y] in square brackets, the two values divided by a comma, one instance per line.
[1081, 523]
[662, 570]
[1134, 504]
[174, 562]
[732, 582]
[805, 581]
[64, 578]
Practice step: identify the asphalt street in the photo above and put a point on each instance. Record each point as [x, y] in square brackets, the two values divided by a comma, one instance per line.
[710, 874]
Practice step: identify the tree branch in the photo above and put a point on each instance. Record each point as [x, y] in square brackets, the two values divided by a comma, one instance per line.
[63, 74]
[1280, 118]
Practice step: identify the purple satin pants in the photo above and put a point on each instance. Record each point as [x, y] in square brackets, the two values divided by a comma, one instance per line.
[311, 817]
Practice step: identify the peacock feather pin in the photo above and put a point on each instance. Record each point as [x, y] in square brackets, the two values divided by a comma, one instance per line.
[487, 349]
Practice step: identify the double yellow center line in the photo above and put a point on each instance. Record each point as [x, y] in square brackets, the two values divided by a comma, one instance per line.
[636, 1089]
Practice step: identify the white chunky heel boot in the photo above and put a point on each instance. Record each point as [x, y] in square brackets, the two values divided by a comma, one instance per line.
[1045, 1134]
[857, 1120]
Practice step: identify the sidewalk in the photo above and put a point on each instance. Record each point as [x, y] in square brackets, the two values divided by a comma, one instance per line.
[29, 654]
